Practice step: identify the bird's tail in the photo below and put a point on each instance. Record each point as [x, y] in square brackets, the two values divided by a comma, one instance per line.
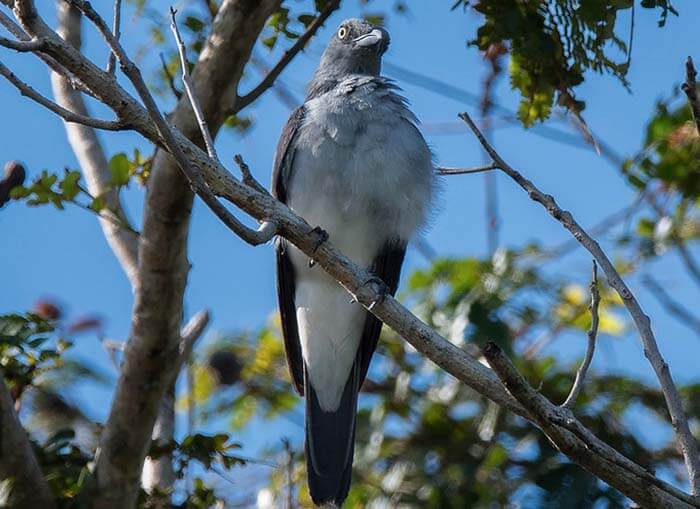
[330, 443]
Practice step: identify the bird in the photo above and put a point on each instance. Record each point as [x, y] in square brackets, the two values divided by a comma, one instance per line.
[352, 162]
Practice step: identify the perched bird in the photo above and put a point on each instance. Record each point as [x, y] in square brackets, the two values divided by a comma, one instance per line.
[352, 162]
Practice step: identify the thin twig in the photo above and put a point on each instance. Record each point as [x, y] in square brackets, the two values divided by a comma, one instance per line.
[17, 31]
[679, 421]
[269, 79]
[672, 306]
[691, 90]
[68, 116]
[169, 77]
[248, 178]
[116, 30]
[561, 427]
[189, 88]
[590, 349]
[447, 170]
[267, 229]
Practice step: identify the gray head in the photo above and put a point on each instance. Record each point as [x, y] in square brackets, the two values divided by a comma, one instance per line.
[355, 48]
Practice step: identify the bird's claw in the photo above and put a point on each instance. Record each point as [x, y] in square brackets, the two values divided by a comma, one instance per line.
[321, 236]
[378, 288]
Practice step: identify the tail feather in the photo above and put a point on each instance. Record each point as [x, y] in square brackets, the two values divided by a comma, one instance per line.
[330, 443]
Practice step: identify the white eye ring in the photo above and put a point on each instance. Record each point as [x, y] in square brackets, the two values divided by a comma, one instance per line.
[342, 33]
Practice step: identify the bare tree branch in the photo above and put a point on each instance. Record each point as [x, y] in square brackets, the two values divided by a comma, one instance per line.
[189, 88]
[563, 430]
[447, 170]
[17, 460]
[91, 154]
[169, 77]
[679, 420]
[22, 46]
[590, 348]
[68, 116]
[255, 237]
[672, 306]
[691, 90]
[116, 30]
[300, 44]
[158, 472]
[163, 263]
[17, 31]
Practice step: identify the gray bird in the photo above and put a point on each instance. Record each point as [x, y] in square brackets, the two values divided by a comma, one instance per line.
[351, 161]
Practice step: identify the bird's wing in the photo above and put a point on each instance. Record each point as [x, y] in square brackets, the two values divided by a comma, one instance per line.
[387, 267]
[286, 285]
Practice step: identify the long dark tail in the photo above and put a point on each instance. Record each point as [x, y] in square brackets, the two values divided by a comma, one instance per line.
[330, 443]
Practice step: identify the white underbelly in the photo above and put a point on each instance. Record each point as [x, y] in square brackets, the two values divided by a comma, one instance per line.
[330, 326]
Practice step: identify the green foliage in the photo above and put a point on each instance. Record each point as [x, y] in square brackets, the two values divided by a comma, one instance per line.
[49, 188]
[553, 43]
[667, 171]
[672, 152]
[28, 348]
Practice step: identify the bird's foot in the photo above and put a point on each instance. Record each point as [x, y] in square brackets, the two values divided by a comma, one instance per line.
[375, 290]
[321, 236]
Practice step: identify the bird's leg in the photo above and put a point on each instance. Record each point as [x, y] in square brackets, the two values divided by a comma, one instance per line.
[321, 237]
[375, 289]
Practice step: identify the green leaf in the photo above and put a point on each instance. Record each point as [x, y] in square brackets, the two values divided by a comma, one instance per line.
[270, 42]
[120, 168]
[97, 204]
[69, 185]
[18, 192]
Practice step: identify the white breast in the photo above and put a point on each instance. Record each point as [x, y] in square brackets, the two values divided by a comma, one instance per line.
[363, 173]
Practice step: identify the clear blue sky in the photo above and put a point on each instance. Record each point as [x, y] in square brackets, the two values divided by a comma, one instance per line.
[44, 252]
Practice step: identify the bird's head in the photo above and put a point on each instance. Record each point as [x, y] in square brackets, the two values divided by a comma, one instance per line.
[356, 48]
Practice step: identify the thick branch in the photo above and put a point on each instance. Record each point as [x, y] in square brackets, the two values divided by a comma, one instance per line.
[91, 154]
[17, 460]
[679, 420]
[163, 264]
[158, 472]
[590, 348]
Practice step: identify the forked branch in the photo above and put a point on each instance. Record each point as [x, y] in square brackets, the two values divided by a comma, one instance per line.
[642, 322]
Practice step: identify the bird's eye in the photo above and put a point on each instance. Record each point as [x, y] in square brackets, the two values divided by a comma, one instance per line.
[342, 33]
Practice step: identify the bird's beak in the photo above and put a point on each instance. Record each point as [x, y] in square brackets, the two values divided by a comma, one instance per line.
[373, 38]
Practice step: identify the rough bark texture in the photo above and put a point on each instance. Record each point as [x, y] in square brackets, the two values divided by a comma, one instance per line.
[90, 153]
[17, 460]
[163, 264]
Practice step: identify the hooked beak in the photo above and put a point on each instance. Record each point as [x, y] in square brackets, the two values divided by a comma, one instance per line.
[376, 37]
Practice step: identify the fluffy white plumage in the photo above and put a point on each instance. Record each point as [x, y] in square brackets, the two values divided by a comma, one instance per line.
[363, 173]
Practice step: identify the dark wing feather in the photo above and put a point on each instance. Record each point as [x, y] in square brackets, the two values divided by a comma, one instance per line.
[286, 286]
[387, 267]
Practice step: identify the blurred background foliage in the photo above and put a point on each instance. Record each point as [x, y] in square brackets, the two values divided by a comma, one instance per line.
[423, 440]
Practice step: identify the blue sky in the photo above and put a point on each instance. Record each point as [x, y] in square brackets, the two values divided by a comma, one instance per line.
[63, 255]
